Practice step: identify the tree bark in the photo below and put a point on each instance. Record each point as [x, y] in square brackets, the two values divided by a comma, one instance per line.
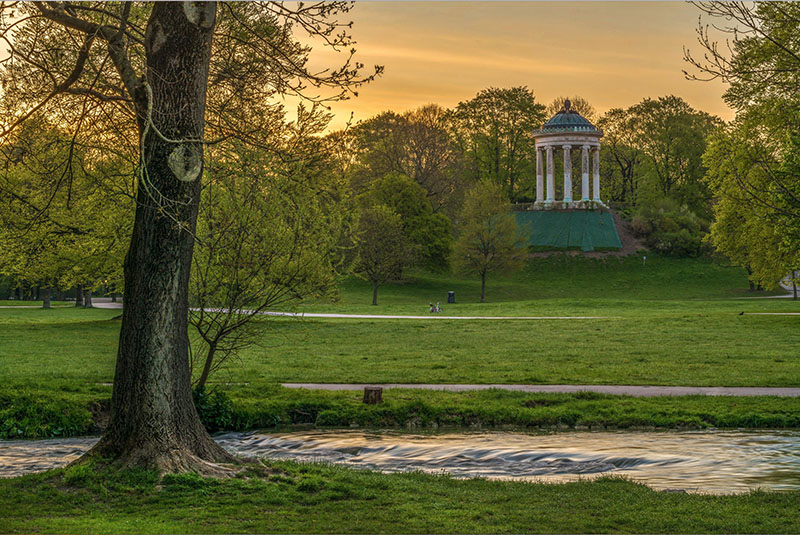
[79, 295]
[87, 298]
[374, 292]
[154, 423]
[483, 286]
[46, 300]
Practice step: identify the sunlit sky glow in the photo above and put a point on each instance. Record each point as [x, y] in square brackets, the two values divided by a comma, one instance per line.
[612, 53]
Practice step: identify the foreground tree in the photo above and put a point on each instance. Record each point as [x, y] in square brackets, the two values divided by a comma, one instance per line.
[266, 232]
[489, 240]
[139, 73]
[757, 158]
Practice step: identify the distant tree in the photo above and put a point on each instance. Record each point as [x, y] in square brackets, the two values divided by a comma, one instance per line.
[428, 233]
[577, 103]
[417, 144]
[59, 238]
[382, 248]
[489, 238]
[495, 132]
[621, 156]
[672, 138]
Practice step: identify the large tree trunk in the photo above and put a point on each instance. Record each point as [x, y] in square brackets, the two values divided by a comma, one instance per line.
[154, 423]
[79, 296]
[46, 300]
[374, 292]
[483, 285]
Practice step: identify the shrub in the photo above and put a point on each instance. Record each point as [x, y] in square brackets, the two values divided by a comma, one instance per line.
[215, 409]
[671, 229]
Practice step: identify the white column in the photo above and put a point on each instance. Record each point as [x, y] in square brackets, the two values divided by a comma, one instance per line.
[567, 174]
[585, 173]
[551, 185]
[596, 185]
[539, 176]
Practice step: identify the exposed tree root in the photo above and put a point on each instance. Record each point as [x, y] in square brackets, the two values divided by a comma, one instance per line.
[207, 458]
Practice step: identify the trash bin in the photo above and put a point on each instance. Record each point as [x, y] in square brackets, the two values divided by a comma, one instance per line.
[451, 297]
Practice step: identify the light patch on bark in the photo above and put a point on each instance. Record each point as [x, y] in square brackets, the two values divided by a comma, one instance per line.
[156, 37]
[185, 163]
[201, 14]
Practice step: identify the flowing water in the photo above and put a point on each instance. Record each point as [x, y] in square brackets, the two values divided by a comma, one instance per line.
[695, 461]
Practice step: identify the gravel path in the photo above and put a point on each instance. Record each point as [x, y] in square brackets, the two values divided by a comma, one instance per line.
[627, 390]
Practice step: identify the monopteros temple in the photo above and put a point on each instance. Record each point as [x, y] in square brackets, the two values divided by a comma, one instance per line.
[559, 219]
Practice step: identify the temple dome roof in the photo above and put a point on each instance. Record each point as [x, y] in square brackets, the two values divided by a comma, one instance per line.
[568, 120]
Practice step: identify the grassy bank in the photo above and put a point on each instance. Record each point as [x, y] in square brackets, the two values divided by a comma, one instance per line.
[293, 498]
[40, 414]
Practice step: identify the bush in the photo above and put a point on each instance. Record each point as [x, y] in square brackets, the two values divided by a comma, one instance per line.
[671, 229]
[215, 409]
[38, 415]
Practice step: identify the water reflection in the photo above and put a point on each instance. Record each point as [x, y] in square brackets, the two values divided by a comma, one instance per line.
[718, 462]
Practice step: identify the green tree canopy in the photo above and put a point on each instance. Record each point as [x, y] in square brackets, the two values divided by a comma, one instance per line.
[383, 250]
[489, 239]
[495, 132]
[428, 233]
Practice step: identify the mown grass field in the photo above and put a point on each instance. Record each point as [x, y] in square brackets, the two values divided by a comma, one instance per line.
[286, 497]
[667, 322]
[670, 322]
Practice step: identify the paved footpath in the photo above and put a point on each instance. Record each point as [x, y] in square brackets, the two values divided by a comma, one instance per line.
[627, 390]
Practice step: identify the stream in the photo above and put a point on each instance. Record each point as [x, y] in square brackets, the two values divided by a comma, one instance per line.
[720, 462]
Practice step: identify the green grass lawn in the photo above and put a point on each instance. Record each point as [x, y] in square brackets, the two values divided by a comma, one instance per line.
[669, 322]
[287, 497]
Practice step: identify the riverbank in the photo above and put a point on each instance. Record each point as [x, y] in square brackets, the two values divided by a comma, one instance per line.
[289, 497]
[41, 414]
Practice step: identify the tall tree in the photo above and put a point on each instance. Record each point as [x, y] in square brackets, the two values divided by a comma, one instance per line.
[383, 250]
[757, 189]
[428, 233]
[489, 239]
[417, 144]
[137, 75]
[621, 155]
[672, 137]
[495, 131]
[577, 103]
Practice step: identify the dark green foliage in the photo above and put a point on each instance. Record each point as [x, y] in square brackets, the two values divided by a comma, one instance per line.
[427, 232]
[276, 407]
[671, 229]
[214, 408]
[36, 414]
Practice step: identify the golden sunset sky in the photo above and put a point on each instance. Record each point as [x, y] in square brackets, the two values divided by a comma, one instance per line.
[612, 53]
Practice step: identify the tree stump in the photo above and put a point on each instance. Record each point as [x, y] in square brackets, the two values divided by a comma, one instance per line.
[373, 395]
